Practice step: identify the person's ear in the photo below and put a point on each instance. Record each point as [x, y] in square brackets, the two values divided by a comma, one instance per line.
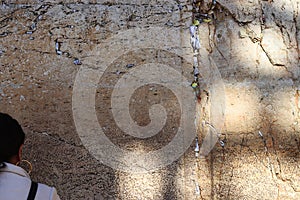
[20, 153]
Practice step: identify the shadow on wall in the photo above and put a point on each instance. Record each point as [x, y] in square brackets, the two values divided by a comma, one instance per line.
[69, 168]
[263, 90]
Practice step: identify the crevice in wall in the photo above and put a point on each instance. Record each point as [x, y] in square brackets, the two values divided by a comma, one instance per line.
[296, 15]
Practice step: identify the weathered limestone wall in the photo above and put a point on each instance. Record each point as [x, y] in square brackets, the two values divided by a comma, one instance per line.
[253, 43]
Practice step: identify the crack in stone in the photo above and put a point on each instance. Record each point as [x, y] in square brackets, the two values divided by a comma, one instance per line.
[252, 35]
[279, 174]
[297, 31]
[40, 52]
[4, 22]
[270, 60]
[5, 34]
[268, 154]
[211, 37]
[266, 53]
[57, 139]
[297, 95]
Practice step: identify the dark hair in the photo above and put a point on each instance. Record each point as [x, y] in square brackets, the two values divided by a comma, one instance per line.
[12, 137]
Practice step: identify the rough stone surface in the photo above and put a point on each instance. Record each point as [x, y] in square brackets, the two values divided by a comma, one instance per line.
[254, 45]
[273, 45]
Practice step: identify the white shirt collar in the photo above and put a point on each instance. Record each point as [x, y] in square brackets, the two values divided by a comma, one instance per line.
[10, 168]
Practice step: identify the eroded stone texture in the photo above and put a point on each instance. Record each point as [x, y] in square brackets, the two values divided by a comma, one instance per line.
[255, 46]
[273, 45]
[243, 11]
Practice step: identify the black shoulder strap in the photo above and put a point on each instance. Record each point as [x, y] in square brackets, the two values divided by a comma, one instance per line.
[32, 191]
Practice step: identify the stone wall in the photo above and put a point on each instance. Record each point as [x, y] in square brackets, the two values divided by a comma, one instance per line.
[253, 44]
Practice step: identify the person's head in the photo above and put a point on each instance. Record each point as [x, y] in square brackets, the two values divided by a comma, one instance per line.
[12, 138]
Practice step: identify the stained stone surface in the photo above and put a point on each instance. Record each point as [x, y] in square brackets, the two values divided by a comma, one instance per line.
[253, 43]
